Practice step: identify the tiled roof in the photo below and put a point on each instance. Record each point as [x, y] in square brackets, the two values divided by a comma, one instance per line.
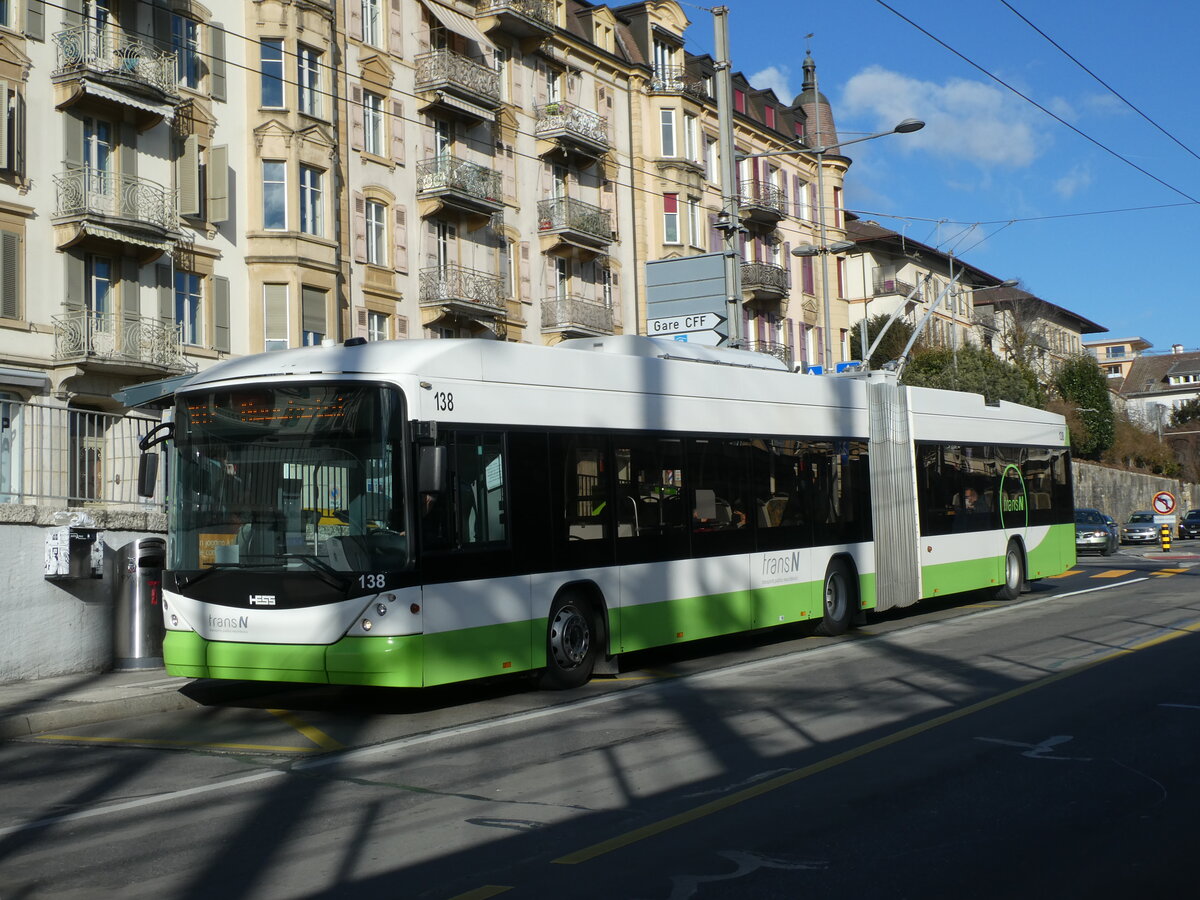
[1149, 374]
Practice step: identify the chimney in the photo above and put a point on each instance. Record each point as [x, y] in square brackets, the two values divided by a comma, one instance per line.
[1177, 349]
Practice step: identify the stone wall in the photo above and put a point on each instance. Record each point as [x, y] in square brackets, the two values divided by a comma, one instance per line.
[1120, 493]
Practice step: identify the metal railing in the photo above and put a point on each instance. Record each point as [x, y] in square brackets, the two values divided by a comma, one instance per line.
[677, 80]
[457, 284]
[761, 195]
[450, 68]
[574, 215]
[772, 348]
[578, 313]
[449, 173]
[880, 285]
[83, 190]
[572, 120]
[765, 275]
[56, 455]
[110, 51]
[541, 10]
[84, 334]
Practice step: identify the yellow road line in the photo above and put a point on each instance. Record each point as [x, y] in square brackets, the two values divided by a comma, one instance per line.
[765, 787]
[1113, 573]
[482, 893]
[155, 742]
[1068, 573]
[316, 735]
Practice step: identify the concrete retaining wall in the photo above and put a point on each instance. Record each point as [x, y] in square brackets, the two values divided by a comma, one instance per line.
[1120, 493]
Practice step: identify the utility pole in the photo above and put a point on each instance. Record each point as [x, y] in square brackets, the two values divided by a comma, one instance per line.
[731, 220]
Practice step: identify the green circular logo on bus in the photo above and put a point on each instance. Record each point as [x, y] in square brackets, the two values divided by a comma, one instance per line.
[1014, 503]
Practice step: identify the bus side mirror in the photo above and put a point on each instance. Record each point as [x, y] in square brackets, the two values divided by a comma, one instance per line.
[147, 474]
[431, 470]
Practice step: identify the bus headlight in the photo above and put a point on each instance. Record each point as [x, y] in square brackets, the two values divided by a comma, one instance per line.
[367, 624]
[381, 609]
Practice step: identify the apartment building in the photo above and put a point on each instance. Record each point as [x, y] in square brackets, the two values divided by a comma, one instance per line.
[1115, 356]
[1022, 327]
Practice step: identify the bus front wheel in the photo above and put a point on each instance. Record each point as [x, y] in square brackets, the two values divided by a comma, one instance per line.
[838, 600]
[1014, 573]
[572, 643]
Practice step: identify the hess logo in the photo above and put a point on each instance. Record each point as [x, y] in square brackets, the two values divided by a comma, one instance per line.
[262, 599]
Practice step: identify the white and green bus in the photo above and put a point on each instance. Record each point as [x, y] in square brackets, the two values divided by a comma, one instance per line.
[415, 513]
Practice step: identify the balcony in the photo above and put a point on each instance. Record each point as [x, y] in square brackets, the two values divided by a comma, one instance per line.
[521, 18]
[462, 292]
[764, 281]
[447, 182]
[576, 316]
[573, 227]
[457, 85]
[572, 129]
[677, 80]
[780, 351]
[118, 68]
[126, 343]
[881, 287]
[111, 206]
[761, 202]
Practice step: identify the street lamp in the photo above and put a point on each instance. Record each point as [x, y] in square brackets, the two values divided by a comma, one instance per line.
[907, 126]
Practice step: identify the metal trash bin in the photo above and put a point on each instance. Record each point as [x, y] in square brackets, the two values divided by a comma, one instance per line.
[137, 605]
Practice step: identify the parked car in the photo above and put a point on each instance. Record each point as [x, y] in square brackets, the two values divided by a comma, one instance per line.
[1140, 529]
[1189, 526]
[1094, 531]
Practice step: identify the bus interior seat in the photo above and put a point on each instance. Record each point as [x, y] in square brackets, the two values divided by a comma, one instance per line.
[773, 509]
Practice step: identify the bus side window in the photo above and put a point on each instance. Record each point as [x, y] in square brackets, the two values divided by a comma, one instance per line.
[470, 510]
[585, 489]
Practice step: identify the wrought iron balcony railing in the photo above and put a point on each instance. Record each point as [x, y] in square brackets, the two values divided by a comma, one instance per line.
[569, 120]
[574, 313]
[677, 80]
[144, 340]
[771, 348]
[453, 70]
[83, 191]
[449, 173]
[568, 214]
[762, 195]
[109, 51]
[540, 10]
[880, 286]
[455, 284]
[765, 276]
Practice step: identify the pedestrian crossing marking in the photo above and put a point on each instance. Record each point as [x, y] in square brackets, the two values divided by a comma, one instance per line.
[1068, 573]
[1113, 573]
[1167, 573]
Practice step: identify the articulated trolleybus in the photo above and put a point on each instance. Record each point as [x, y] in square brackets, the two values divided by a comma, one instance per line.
[415, 513]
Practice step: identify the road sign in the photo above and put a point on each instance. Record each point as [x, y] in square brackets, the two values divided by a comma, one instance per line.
[708, 338]
[1164, 503]
[669, 325]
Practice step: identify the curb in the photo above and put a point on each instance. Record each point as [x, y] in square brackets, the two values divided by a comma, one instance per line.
[82, 712]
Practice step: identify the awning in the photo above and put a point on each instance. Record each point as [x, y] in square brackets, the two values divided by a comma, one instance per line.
[151, 392]
[166, 110]
[486, 115]
[38, 381]
[114, 234]
[458, 23]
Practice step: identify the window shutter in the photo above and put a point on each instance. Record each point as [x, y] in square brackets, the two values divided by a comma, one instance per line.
[354, 25]
[524, 271]
[218, 184]
[312, 310]
[221, 313]
[72, 141]
[397, 131]
[358, 139]
[275, 318]
[360, 227]
[19, 119]
[814, 213]
[216, 61]
[361, 323]
[10, 274]
[73, 298]
[129, 153]
[166, 293]
[401, 325]
[35, 20]
[130, 288]
[72, 13]
[5, 152]
[188, 177]
[396, 29]
[400, 239]
[162, 27]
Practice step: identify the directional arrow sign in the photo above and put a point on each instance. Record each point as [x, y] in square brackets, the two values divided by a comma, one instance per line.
[706, 321]
[707, 338]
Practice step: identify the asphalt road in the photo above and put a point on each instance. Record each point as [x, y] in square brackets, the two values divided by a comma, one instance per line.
[1043, 747]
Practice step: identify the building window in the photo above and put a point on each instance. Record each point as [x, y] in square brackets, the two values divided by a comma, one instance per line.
[670, 218]
[312, 314]
[311, 218]
[274, 195]
[553, 85]
[377, 326]
[664, 58]
[373, 123]
[695, 234]
[308, 80]
[98, 271]
[376, 232]
[712, 157]
[372, 20]
[275, 316]
[187, 307]
[185, 41]
[1114, 352]
[270, 67]
[691, 137]
[667, 124]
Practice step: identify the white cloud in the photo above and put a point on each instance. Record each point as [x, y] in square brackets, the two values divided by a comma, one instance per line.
[775, 78]
[1073, 182]
[966, 120]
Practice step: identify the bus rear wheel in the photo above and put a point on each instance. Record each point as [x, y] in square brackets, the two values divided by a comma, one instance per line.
[838, 600]
[1014, 573]
[572, 644]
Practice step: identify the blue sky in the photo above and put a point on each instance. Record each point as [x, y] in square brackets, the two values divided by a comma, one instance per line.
[992, 177]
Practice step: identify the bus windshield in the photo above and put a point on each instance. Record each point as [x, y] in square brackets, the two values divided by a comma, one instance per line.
[290, 477]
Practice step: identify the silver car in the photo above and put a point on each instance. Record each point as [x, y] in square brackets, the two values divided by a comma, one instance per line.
[1140, 529]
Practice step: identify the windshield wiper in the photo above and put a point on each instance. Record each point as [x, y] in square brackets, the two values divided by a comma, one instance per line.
[212, 567]
[329, 574]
